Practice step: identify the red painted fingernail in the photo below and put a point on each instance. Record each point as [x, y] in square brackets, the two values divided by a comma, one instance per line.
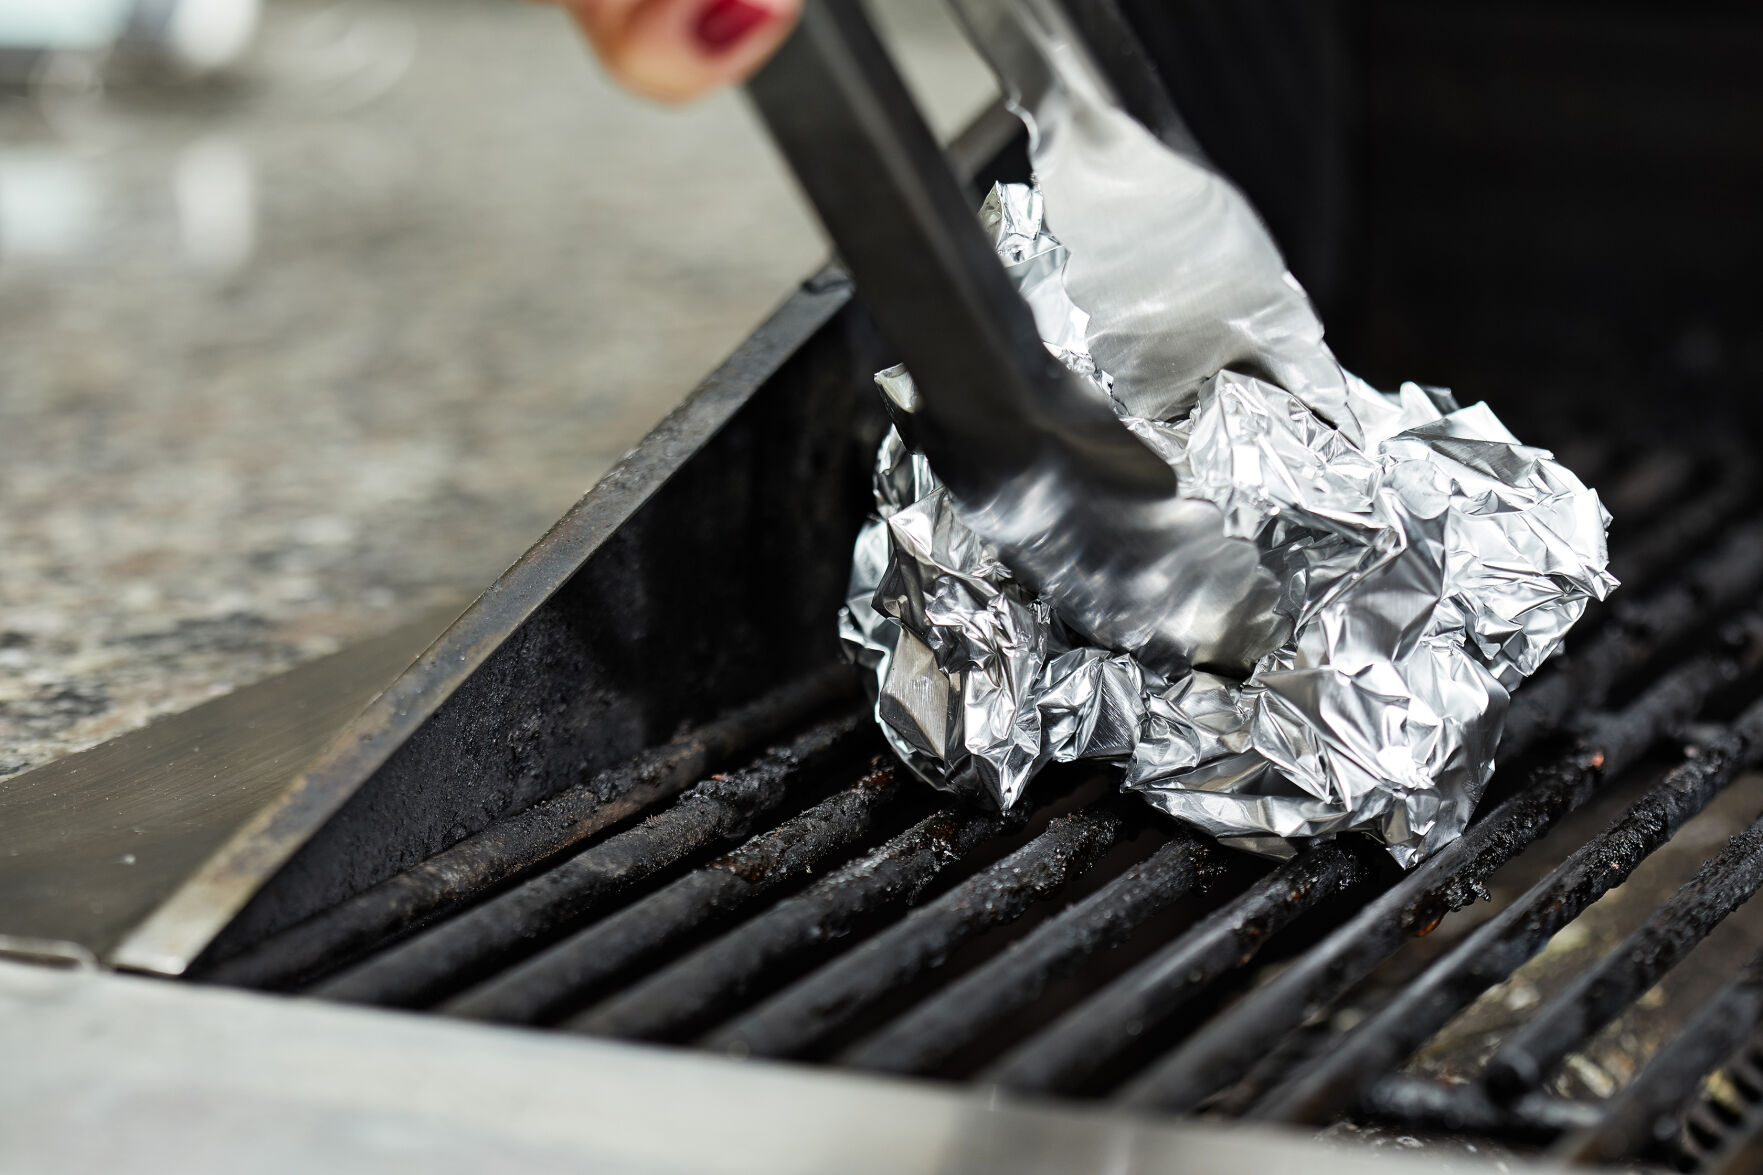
[724, 23]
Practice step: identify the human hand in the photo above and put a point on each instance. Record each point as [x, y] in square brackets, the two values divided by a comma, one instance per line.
[677, 50]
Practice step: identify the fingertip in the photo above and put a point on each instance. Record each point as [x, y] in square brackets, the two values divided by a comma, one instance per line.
[721, 25]
[677, 50]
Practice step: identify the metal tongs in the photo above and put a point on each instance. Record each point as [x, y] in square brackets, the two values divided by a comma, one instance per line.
[1038, 463]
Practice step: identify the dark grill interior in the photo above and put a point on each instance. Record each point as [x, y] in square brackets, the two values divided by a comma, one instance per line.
[772, 885]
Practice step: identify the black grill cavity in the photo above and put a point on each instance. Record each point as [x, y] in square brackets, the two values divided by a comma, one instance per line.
[809, 900]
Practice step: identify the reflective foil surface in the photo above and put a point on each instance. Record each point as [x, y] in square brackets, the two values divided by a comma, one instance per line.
[1426, 562]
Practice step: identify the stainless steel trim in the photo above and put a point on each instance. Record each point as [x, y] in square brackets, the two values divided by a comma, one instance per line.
[109, 1072]
[89, 844]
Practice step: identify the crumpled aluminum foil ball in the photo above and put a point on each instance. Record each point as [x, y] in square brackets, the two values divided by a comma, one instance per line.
[1426, 572]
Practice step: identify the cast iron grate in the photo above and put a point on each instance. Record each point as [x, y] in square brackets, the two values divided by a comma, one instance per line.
[814, 903]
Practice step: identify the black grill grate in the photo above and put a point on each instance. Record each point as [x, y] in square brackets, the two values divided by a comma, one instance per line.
[813, 904]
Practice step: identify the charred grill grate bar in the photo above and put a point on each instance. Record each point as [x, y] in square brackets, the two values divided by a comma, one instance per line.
[794, 1020]
[1072, 1049]
[1502, 945]
[1723, 884]
[437, 961]
[923, 1038]
[586, 962]
[814, 903]
[693, 992]
[1645, 1117]
[524, 841]
[1225, 1049]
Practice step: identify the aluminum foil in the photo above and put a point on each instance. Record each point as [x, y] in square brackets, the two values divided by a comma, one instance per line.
[1427, 562]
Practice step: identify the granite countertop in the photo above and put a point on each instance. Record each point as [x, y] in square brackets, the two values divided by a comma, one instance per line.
[292, 357]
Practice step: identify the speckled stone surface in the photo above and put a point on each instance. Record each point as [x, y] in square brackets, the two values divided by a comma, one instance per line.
[288, 360]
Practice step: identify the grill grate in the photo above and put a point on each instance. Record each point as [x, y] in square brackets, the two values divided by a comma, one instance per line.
[814, 904]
